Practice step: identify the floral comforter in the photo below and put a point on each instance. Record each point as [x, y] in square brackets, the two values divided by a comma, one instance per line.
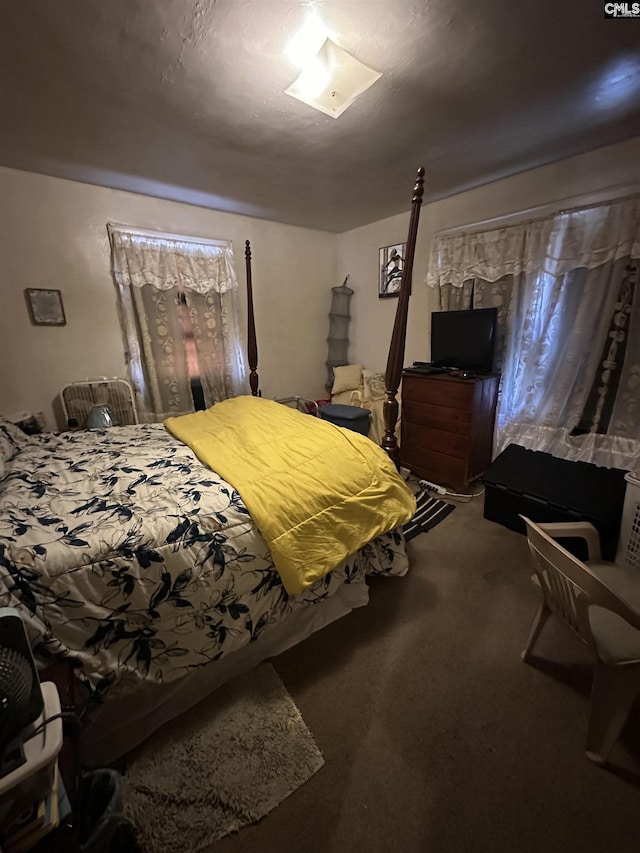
[122, 550]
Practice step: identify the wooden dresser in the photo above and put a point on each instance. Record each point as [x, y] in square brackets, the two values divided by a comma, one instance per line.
[447, 426]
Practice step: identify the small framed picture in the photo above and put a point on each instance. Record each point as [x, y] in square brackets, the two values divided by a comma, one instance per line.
[391, 267]
[45, 307]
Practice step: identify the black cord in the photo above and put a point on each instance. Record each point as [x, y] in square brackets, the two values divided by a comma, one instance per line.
[65, 715]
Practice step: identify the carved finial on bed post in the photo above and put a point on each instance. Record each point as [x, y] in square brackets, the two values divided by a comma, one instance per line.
[252, 344]
[395, 360]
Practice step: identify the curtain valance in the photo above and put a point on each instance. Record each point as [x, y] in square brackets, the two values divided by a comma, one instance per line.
[554, 245]
[139, 259]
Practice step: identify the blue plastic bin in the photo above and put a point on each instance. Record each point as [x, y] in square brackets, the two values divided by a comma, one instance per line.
[351, 417]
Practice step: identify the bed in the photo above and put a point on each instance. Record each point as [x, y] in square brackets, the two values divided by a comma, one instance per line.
[129, 557]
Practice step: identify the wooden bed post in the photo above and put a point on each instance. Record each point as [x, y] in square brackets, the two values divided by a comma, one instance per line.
[252, 344]
[395, 359]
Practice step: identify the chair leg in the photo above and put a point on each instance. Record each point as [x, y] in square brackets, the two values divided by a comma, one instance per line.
[539, 620]
[614, 690]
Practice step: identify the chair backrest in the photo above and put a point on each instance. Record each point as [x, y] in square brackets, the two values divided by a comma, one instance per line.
[569, 586]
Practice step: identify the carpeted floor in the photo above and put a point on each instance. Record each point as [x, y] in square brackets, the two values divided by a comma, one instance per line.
[219, 767]
[436, 737]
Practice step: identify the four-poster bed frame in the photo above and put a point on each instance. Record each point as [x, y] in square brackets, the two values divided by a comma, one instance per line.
[252, 344]
[395, 357]
[199, 568]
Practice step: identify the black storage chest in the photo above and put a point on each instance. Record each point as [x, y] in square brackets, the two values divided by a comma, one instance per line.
[545, 488]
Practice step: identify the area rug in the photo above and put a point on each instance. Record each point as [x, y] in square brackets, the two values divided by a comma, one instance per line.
[429, 512]
[221, 766]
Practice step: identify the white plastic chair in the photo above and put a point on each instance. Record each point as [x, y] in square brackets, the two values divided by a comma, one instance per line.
[600, 602]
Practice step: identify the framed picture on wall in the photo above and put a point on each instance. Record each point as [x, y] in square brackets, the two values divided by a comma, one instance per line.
[45, 307]
[391, 267]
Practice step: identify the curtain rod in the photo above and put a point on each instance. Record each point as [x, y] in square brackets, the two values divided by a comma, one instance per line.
[568, 205]
[165, 235]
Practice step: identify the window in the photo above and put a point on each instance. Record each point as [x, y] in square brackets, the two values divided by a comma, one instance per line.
[608, 385]
[178, 309]
[565, 286]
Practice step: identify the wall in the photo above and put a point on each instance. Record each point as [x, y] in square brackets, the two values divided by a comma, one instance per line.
[53, 235]
[372, 318]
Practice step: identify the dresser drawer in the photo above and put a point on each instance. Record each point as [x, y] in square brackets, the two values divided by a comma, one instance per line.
[439, 391]
[441, 441]
[437, 467]
[438, 417]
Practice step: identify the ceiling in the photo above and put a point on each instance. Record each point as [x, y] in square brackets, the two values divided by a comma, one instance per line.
[184, 99]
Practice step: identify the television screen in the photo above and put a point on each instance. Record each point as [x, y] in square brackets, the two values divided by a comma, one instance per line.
[464, 339]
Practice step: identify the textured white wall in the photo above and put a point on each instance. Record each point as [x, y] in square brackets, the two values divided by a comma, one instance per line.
[372, 318]
[53, 235]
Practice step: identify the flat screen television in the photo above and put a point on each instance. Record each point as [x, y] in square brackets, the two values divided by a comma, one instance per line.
[464, 340]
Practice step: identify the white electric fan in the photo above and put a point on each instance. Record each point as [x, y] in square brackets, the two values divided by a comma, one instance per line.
[80, 399]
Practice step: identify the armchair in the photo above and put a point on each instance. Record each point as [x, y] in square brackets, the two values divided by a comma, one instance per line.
[356, 386]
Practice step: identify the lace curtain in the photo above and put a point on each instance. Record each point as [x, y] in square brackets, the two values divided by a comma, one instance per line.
[554, 245]
[557, 285]
[178, 309]
[163, 262]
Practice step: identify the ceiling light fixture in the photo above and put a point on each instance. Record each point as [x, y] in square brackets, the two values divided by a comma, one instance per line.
[331, 79]
[312, 82]
[304, 46]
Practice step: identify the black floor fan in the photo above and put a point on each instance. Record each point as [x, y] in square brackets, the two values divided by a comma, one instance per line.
[21, 700]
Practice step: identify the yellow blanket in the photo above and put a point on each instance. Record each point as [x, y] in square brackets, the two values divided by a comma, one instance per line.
[317, 492]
